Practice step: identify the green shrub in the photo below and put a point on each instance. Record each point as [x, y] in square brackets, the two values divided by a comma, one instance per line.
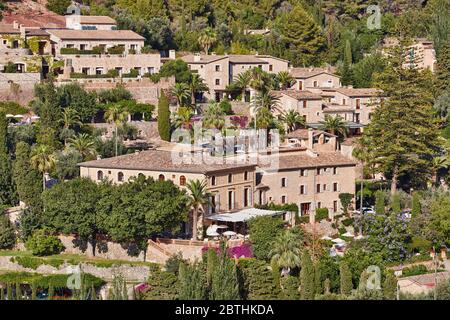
[7, 233]
[348, 222]
[414, 270]
[34, 262]
[321, 213]
[342, 230]
[301, 219]
[95, 50]
[42, 244]
[263, 231]
[256, 281]
[116, 50]
[132, 74]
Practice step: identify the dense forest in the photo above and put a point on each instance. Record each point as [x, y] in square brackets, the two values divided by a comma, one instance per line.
[307, 32]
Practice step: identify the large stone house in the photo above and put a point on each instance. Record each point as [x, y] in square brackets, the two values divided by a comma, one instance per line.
[80, 22]
[308, 78]
[218, 71]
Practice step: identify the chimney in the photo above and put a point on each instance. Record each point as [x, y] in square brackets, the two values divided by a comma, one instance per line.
[172, 54]
[15, 24]
[197, 57]
[310, 138]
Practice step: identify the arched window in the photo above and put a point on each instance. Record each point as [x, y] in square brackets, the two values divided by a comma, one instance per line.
[99, 175]
[161, 177]
[120, 176]
[182, 180]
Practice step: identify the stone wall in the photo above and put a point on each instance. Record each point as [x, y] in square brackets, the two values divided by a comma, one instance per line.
[18, 87]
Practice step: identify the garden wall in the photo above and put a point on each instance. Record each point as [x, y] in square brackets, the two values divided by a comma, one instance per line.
[18, 87]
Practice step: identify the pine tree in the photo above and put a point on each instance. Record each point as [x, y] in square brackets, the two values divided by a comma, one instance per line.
[404, 129]
[307, 277]
[302, 36]
[443, 68]
[164, 117]
[345, 278]
[379, 202]
[390, 287]
[28, 181]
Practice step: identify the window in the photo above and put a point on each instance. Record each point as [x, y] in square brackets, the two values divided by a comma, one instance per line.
[283, 182]
[85, 71]
[318, 188]
[358, 103]
[300, 85]
[246, 175]
[270, 67]
[230, 200]
[213, 180]
[318, 171]
[357, 117]
[335, 206]
[99, 70]
[119, 70]
[335, 187]
[99, 175]
[69, 45]
[302, 189]
[305, 103]
[304, 117]
[260, 66]
[334, 170]
[182, 180]
[217, 67]
[151, 70]
[83, 47]
[120, 176]
[161, 177]
[315, 84]
[303, 173]
[217, 82]
[246, 197]
[138, 69]
[319, 205]
[344, 102]
[324, 187]
[230, 178]
[283, 199]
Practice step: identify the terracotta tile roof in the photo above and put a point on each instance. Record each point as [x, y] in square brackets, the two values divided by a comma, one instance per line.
[299, 95]
[309, 72]
[359, 92]
[158, 160]
[303, 160]
[36, 32]
[245, 58]
[97, 20]
[96, 35]
[204, 58]
[303, 133]
[8, 29]
[233, 58]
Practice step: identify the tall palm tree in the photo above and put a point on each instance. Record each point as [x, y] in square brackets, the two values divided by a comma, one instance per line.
[198, 198]
[214, 117]
[264, 118]
[266, 100]
[260, 81]
[84, 144]
[242, 82]
[285, 79]
[438, 163]
[197, 85]
[117, 116]
[292, 119]
[70, 119]
[43, 160]
[182, 92]
[286, 250]
[183, 118]
[334, 125]
[207, 39]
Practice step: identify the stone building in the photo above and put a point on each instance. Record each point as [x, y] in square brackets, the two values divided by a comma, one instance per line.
[308, 78]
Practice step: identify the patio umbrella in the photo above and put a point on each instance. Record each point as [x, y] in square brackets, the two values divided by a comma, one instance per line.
[19, 116]
[35, 117]
[348, 234]
[212, 231]
[326, 238]
[359, 237]
[222, 226]
[10, 115]
[229, 233]
[338, 240]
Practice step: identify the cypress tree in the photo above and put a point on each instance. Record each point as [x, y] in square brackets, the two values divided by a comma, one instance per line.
[211, 263]
[307, 277]
[395, 203]
[9, 295]
[2, 294]
[275, 272]
[224, 284]
[7, 232]
[191, 282]
[379, 202]
[51, 292]
[33, 291]
[93, 293]
[318, 279]
[18, 291]
[345, 278]
[346, 74]
[28, 181]
[7, 192]
[416, 206]
[390, 287]
[163, 117]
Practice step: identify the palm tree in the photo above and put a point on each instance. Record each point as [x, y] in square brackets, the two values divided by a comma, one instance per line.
[70, 118]
[286, 251]
[43, 160]
[242, 82]
[438, 163]
[197, 85]
[292, 119]
[84, 144]
[198, 198]
[207, 39]
[116, 115]
[182, 92]
[260, 81]
[334, 125]
[183, 118]
[285, 79]
[266, 100]
[264, 118]
[214, 117]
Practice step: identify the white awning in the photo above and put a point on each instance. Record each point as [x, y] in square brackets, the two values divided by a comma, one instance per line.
[244, 215]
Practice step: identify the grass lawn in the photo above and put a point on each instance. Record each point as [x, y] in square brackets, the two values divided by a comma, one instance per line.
[75, 259]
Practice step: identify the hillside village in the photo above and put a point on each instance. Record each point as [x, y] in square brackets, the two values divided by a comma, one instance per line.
[301, 169]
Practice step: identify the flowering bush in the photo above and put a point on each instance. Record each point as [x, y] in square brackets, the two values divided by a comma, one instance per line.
[242, 251]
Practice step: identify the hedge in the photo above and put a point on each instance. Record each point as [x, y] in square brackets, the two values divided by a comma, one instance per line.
[46, 281]
[34, 262]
